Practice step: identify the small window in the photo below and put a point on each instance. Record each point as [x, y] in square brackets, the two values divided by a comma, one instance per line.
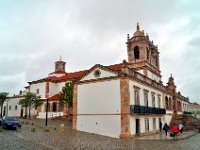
[37, 91]
[15, 107]
[154, 123]
[146, 99]
[137, 97]
[146, 124]
[147, 52]
[159, 102]
[9, 107]
[97, 73]
[153, 100]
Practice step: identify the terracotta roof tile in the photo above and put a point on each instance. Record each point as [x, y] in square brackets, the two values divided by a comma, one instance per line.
[116, 67]
[54, 97]
[58, 72]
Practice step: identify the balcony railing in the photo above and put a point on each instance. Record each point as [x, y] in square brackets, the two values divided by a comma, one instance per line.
[146, 110]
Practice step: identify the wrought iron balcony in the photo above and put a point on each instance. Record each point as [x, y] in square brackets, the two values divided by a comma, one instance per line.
[144, 110]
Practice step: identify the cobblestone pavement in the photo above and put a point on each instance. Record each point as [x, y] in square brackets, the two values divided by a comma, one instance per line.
[67, 140]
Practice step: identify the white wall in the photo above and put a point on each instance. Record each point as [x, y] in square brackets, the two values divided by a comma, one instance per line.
[107, 125]
[153, 76]
[167, 118]
[55, 88]
[99, 98]
[102, 75]
[141, 71]
[11, 103]
[142, 123]
[99, 107]
[40, 86]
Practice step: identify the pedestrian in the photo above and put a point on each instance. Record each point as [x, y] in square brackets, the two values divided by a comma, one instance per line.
[174, 130]
[166, 128]
[160, 125]
[180, 126]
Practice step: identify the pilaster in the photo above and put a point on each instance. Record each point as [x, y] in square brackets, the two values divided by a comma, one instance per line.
[75, 107]
[125, 107]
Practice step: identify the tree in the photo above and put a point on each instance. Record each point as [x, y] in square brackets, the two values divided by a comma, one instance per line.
[3, 97]
[66, 95]
[29, 102]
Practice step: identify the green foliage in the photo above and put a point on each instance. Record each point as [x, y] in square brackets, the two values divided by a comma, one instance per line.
[66, 95]
[3, 97]
[30, 101]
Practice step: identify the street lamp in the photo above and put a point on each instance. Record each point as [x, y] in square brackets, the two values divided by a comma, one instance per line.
[47, 106]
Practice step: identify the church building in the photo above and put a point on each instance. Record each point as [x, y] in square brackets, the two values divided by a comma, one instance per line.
[127, 99]
[122, 100]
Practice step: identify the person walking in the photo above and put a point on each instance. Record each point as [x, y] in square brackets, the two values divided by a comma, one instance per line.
[166, 128]
[180, 126]
[174, 130]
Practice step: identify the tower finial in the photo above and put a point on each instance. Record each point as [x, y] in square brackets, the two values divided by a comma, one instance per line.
[138, 27]
[60, 58]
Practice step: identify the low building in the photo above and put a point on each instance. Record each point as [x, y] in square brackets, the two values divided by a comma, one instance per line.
[194, 108]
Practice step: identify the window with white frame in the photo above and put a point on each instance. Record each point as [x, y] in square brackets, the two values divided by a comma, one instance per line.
[137, 95]
[159, 101]
[146, 98]
[154, 123]
[9, 107]
[153, 100]
[146, 124]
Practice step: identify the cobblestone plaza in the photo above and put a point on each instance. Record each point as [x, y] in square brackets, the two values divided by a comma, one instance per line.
[57, 140]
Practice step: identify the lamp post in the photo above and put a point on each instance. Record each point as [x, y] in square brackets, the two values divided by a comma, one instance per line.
[47, 106]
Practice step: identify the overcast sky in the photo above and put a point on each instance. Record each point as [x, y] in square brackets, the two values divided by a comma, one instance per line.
[35, 33]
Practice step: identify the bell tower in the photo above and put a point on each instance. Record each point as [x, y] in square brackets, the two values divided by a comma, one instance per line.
[143, 55]
[60, 65]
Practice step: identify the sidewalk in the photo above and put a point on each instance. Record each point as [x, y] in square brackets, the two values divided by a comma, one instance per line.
[163, 137]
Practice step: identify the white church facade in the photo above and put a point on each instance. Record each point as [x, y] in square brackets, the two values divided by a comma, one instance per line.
[127, 99]
[121, 100]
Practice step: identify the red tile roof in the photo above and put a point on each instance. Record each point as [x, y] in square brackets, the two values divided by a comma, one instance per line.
[54, 97]
[71, 76]
[116, 67]
[58, 72]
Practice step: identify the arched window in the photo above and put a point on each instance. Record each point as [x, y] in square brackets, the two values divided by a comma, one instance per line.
[136, 52]
[54, 107]
[147, 51]
[166, 103]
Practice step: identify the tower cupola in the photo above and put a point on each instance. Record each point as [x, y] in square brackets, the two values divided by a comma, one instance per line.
[60, 65]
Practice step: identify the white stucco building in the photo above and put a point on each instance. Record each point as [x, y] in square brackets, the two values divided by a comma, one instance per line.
[127, 99]
[122, 100]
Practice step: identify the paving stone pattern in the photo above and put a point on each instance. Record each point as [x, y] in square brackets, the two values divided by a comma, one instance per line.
[69, 140]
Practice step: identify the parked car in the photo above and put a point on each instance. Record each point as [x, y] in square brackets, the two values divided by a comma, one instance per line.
[10, 122]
